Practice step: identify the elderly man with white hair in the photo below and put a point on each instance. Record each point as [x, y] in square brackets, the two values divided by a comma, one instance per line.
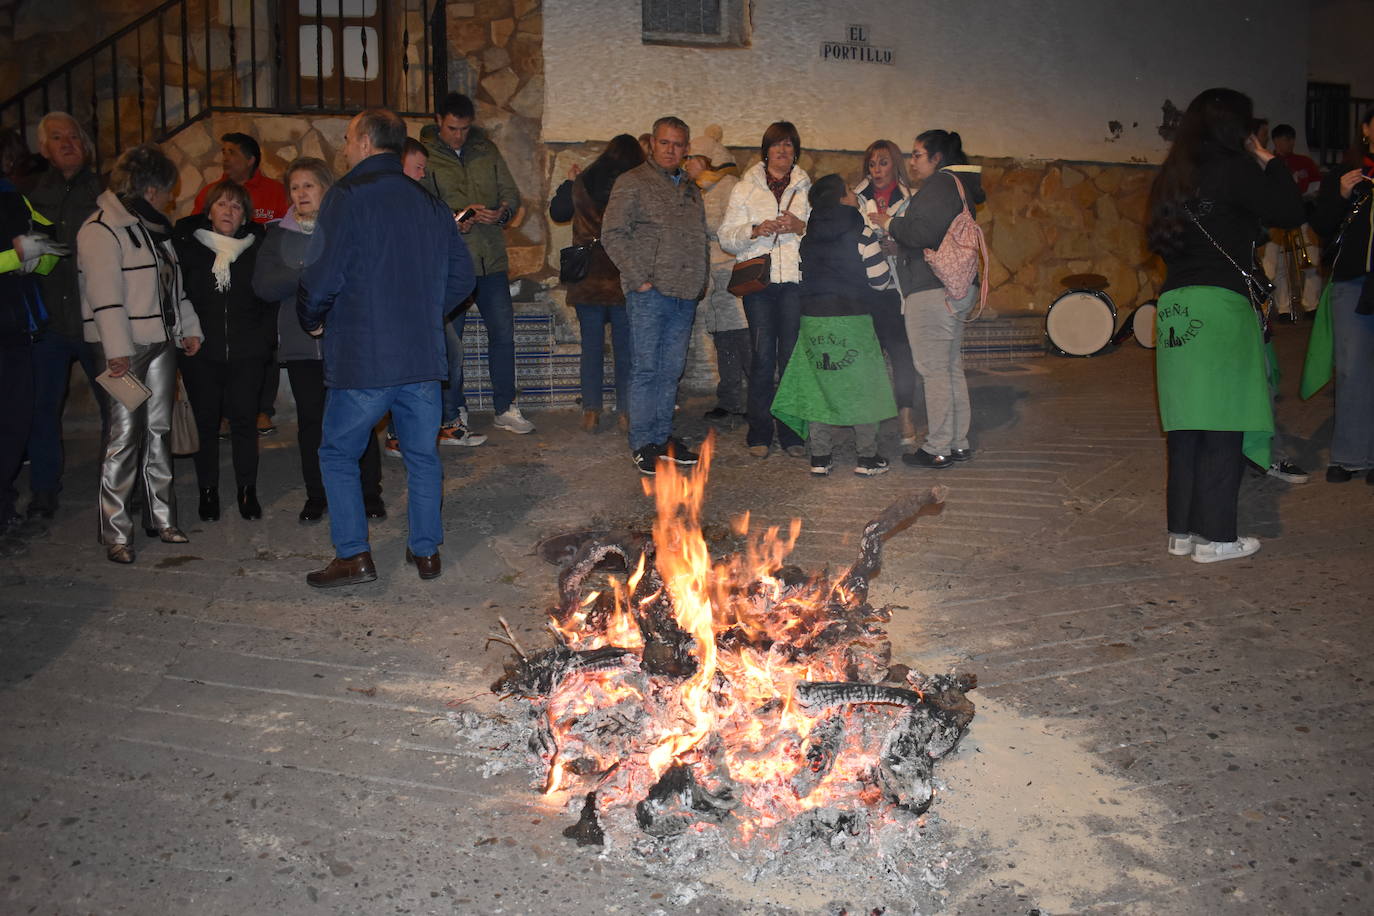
[66, 194]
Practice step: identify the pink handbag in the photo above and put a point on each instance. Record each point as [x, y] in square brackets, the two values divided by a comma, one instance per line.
[955, 263]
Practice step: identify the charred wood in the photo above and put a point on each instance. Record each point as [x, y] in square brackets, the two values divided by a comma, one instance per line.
[538, 675]
[677, 801]
[893, 518]
[822, 746]
[587, 830]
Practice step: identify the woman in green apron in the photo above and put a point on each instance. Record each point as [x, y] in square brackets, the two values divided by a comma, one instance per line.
[1215, 193]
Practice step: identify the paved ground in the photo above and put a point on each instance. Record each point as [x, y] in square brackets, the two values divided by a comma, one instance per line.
[201, 733]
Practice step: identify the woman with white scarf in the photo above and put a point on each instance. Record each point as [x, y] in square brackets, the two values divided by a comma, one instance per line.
[275, 277]
[217, 250]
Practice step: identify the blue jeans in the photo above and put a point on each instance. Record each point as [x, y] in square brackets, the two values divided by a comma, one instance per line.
[349, 415]
[53, 355]
[1352, 442]
[492, 297]
[592, 320]
[660, 330]
[774, 315]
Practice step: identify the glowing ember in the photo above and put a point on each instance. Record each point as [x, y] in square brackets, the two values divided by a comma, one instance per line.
[737, 691]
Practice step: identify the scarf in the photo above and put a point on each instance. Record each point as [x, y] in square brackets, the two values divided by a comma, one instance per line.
[777, 185]
[154, 220]
[297, 223]
[227, 250]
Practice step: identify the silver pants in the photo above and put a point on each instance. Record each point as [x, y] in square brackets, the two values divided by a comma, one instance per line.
[138, 448]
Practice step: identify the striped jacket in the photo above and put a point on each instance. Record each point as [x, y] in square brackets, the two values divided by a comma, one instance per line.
[120, 298]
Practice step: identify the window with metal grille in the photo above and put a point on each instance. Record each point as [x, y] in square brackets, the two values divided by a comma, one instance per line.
[715, 23]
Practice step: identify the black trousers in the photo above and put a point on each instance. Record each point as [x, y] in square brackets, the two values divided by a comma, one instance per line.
[16, 412]
[1205, 468]
[307, 388]
[890, 327]
[224, 389]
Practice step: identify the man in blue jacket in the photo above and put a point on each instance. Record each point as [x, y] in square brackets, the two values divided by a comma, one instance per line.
[388, 264]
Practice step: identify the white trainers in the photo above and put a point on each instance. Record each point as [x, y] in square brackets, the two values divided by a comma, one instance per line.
[1216, 551]
[513, 421]
[1181, 545]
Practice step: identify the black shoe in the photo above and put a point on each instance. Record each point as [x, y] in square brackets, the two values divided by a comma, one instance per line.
[717, 414]
[374, 507]
[1337, 474]
[646, 460]
[676, 451]
[820, 465]
[209, 505]
[248, 503]
[924, 459]
[313, 510]
[871, 466]
[961, 454]
[43, 504]
[1369, 478]
[1287, 471]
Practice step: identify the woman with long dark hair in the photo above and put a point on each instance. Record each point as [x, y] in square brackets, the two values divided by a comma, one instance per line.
[1209, 204]
[1344, 204]
[934, 321]
[597, 297]
[767, 215]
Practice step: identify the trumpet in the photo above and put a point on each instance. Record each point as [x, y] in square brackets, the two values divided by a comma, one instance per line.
[1297, 260]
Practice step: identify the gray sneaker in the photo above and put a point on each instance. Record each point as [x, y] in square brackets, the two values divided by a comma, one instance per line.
[513, 421]
[1216, 551]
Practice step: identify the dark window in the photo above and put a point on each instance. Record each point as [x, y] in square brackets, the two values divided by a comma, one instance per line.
[722, 23]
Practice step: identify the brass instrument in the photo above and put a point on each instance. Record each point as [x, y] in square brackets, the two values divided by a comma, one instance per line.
[1297, 260]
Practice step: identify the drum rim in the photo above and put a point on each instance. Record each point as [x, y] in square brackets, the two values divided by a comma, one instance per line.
[1148, 303]
[1095, 294]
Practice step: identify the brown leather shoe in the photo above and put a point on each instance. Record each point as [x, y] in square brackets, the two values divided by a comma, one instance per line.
[354, 570]
[428, 567]
[120, 553]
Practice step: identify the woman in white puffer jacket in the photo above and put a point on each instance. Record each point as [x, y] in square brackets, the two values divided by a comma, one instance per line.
[767, 215]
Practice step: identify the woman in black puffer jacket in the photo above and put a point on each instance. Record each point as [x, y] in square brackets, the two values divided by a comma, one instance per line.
[217, 250]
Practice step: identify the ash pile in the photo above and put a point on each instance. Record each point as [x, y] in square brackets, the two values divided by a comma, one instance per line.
[696, 707]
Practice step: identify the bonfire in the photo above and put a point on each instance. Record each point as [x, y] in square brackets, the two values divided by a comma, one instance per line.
[732, 693]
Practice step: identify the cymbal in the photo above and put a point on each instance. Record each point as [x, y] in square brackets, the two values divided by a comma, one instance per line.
[1085, 281]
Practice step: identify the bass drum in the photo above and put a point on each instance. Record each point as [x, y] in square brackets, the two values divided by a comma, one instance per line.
[1143, 324]
[1080, 322]
[1140, 324]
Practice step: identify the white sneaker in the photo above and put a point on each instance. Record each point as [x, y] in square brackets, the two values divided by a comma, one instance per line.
[513, 421]
[1216, 551]
[1181, 545]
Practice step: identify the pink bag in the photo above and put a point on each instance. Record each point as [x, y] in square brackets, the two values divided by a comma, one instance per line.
[956, 261]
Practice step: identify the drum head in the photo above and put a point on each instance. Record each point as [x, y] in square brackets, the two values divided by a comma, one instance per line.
[1080, 322]
[1143, 326]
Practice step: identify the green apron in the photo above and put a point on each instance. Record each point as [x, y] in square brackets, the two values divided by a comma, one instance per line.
[1317, 366]
[1211, 367]
[836, 376]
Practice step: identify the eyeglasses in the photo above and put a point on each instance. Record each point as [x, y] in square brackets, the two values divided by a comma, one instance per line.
[918, 154]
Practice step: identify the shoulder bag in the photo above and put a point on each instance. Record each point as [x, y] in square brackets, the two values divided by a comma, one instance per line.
[753, 274]
[185, 438]
[955, 263]
[575, 262]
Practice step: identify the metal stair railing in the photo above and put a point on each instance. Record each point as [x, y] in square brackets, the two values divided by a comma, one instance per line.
[186, 59]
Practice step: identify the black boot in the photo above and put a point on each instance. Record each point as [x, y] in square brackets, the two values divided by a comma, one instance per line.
[209, 505]
[248, 503]
[314, 510]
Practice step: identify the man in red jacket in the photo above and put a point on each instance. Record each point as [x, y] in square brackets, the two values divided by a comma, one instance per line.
[240, 155]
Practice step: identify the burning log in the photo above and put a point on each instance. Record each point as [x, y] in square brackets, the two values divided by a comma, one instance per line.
[677, 801]
[539, 675]
[822, 746]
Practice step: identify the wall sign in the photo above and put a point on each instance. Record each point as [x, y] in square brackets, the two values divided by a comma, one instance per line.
[855, 47]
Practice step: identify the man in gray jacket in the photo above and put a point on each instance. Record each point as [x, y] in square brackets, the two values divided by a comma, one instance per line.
[654, 230]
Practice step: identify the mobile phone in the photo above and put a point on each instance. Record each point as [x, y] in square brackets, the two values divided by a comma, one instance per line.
[462, 216]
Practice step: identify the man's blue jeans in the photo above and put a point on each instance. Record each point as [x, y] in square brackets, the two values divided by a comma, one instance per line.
[660, 330]
[592, 320]
[492, 297]
[349, 415]
[53, 355]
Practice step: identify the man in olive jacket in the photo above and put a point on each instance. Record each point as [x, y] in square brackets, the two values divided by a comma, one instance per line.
[466, 171]
[66, 195]
[654, 230]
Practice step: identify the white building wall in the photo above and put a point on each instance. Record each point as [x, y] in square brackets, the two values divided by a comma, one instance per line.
[1031, 80]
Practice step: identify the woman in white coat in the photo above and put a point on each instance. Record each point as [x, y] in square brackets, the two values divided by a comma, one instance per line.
[767, 216]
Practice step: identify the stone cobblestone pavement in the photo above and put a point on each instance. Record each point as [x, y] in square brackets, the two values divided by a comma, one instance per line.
[202, 733]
